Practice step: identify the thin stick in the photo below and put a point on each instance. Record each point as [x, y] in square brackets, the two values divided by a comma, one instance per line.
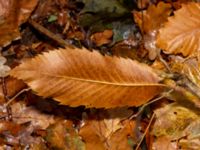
[14, 97]
[164, 62]
[5, 93]
[145, 132]
[153, 101]
[48, 33]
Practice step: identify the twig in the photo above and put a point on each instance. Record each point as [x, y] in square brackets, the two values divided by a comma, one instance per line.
[5, 93]
[14, 97]
[164, 62]
[145, 132]
[153, 101]
[48, 33]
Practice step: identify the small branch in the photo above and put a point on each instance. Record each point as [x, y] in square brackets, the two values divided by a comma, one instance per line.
[5, 93]
[164, 62]
[48, 33]
[153, 101]
[186, 82]
[145, 132]
[14, 97]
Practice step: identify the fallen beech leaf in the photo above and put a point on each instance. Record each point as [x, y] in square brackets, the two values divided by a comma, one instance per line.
[101, 38]
[79, 77]
[181, 33]
[107, 131]
[12, 14]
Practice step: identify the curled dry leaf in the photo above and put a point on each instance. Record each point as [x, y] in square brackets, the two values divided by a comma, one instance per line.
[12, 14]
[181, 33]
[79, 77]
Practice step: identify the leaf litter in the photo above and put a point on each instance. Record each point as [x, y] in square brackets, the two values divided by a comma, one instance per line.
[137, 89]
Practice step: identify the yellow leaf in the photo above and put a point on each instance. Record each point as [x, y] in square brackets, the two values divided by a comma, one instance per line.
[181, 33]
[79, 77]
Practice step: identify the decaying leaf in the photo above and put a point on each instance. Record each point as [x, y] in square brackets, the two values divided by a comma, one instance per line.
[12, 14]
[62, 135]
[78, 77]
[177, 123]
[181, 33]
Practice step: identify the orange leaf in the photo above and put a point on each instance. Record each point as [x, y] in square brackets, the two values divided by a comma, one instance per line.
[181, 33]
[101, 38]
[107, 131]
[79, 77]
[153, 17]
[12, 14]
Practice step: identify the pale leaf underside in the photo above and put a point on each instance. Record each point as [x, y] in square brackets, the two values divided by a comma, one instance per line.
[182, 31]
[77, 77]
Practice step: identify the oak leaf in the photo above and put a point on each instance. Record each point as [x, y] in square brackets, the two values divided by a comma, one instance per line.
[79, 77]
[181, 33]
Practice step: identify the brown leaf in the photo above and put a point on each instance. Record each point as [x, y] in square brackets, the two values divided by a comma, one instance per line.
[153, 17]
[78, 77]
[181, 33]
[12, 14]
[173, 120]
[23, 114]
[150, 22]
[63, 136]
[106, 131]
[13, 86]
[101, 38]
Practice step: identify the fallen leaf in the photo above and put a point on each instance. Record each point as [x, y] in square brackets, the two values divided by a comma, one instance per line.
[4, 69]
[13, 86]
[181, 33]
[164, 143]
[80, 77]
[173, 120]
[101, 38]
[23, 114]
[153, 17]
[62, 135]
[106, 131]
[12, 14]
[94, 11]
[150, 22]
